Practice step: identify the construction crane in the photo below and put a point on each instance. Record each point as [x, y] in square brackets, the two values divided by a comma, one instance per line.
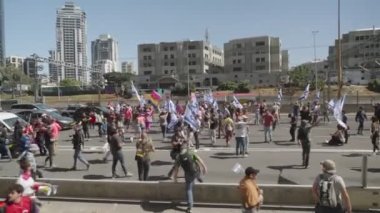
[98, 79]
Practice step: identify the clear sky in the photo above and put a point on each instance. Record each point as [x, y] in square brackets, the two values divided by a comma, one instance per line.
[30, 24]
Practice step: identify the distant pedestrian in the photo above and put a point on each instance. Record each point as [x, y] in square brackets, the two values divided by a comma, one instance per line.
[375, 130]
[345, 130]
[213, 126]
[117, 153]
[303, 138]
[144, 147]
[251, 194]
[85, 125]
[163, 122]
[78, 140]
[241, 137]
[268, 120]
[360, 118]
[229, 129]
[293, 127]
[329, 191]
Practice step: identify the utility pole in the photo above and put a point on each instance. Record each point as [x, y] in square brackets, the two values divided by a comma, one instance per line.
[339, 57]
[315, 60]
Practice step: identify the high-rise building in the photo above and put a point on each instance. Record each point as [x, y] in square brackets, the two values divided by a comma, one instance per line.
[360, 49]
[168, 63]
[15, 61]
[30, 67]
[104, 54]
[127, 67]
[72, 43]
[53, 68]
[2, 34]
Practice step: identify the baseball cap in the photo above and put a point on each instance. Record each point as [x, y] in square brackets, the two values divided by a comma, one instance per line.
[329, 166]
[250, 170]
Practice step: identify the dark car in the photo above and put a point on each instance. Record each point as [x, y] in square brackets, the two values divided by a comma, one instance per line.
[70, 110]
[97, 109]
[36, 106]
[29, 115]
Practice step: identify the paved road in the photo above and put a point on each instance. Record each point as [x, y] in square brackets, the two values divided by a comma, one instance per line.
[279, 162]
[69, 207]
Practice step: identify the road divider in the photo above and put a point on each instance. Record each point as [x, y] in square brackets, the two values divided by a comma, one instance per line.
[214, 193]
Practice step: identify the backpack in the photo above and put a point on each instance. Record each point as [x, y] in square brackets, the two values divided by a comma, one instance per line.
[188, 164]
[327, 193]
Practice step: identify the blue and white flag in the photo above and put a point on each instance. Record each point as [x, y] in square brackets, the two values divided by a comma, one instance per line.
[173, 120]
[331, 104]
[305, 93]
[317, 96]
[169, 106]
[190, 117]
[338, 107]
[208, 98]
[236, 103]
[279, 95]
[135, 92]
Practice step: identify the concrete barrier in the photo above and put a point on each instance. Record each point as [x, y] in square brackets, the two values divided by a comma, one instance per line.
[218, 193]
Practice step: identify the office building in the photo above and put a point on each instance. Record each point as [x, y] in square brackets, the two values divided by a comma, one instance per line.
[258, 60]
[31, 67]
[360, 49]
[72, 43]
[127, 67]
[104, 54]
[167, 64]
[15, 61]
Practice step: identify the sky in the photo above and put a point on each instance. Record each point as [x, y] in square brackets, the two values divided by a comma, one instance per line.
[30, 24]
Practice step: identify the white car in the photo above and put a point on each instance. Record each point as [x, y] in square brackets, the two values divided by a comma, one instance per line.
[9, 119]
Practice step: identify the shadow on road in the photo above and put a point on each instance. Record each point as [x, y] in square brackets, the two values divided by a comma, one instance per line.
[281, 179]
[157, 207]
[285, 143]
[97, 161]
[95, 177]
[57, 169]
[373, 170]
[158, 178]
[353, 155]
[161, 163]
[258, 142]
[224, 155]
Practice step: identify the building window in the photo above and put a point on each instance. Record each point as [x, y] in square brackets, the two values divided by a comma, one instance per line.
[234, 61]
[237, 69]
[165, 48]
[172, 64]
[260, 67]
[238, 61]
[146, 49]
[362, 78]
[192, 63]
[191, 47]
[171, 56]
[166, 63]
[206, 47]
[260, 43]
[165, 56]
[192, 71]
[166, 72]
[236, 76]
[171, 48]
[258, 60]
[238, 46]
[147, 72]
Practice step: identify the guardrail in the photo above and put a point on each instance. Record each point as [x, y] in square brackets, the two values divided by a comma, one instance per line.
[285, 195]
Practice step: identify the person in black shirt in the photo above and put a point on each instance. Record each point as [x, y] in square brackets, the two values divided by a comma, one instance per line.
[293, 127]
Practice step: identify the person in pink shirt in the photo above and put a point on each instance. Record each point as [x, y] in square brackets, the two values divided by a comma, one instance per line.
[268, 120]
[127, 117]
[52, 140]
[148, 118]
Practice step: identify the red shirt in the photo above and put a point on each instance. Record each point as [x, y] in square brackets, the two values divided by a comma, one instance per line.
[268, 119]
[25, 206]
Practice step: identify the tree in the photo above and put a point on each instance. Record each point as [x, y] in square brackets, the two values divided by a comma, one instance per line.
[11, 77]
[117, 78]
[228, 85]
[299, 76]
[69, 83]
[242, 87]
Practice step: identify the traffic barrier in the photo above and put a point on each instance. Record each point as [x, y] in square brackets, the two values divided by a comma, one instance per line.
[217, 193]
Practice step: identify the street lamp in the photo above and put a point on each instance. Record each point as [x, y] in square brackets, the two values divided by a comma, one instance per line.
[315, 60]
[339, 57]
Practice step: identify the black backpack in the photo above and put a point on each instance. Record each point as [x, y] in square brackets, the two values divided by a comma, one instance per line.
[188, 164]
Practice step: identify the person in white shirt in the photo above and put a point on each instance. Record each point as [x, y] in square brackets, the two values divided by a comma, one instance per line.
[240, 137]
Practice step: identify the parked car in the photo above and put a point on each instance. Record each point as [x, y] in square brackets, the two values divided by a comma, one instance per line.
[97, 109]
[28, 115]
[9, 119]
[38, 106]
[70, 110]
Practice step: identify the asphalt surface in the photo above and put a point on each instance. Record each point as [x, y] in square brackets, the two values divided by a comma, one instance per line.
[78, 207]
[279, 162]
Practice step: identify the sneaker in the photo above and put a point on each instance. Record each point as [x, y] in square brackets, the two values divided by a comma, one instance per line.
[54, 189]
[88, 166]
[131, 139]
[188, 210]
[245, 155]
[128, 174]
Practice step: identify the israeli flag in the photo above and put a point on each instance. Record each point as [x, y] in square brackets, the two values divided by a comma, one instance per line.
[338, 107]
[173, 120]
[190, 117]
[169, 106]
[236, 103]
[279, 95]
[305, 93]
[317, 95]
[135, 92]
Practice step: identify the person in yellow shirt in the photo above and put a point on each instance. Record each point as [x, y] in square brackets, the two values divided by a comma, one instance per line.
[229, 129]
[251, 194]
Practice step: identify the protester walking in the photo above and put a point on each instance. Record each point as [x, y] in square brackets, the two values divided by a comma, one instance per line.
[78, 140]
[192, 166]
[329, 191]
[241, 137]
[268, 120]
[293, 127]
[375, 130]
[229, 129]
[144, 147]
[303, 138]
[117, 153]
[360, 118]
[213, 126]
